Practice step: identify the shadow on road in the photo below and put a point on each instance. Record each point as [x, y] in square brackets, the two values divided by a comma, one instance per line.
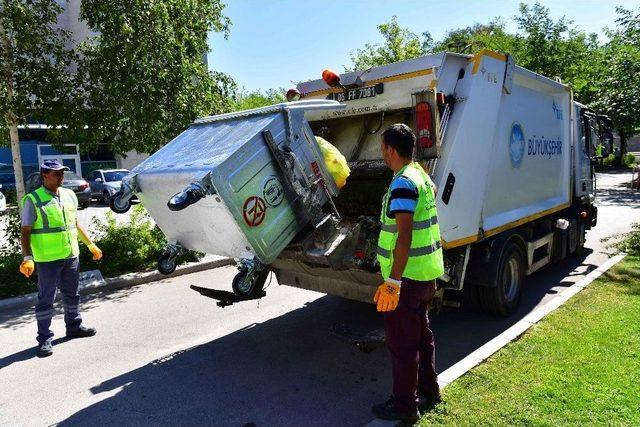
[290, 370]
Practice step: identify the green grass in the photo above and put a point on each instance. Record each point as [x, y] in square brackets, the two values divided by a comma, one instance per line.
[578, 366]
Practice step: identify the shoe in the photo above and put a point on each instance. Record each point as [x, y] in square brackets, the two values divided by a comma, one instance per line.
[45, 350]
[81, 332]
[427, 401]
[388, 411]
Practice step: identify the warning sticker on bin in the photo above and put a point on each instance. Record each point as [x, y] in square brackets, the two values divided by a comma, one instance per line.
[253, 211]
[273, 192]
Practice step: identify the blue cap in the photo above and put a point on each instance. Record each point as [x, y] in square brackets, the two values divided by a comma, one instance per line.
[53, 165]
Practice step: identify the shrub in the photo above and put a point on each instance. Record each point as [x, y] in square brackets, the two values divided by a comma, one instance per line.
[629, 243]
[12, 283]
[129, 246]
[134, 245]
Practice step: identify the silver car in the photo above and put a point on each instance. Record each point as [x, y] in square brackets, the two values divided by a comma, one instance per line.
[105, 182]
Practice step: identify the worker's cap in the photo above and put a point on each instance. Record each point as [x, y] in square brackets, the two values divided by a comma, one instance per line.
[53, 165]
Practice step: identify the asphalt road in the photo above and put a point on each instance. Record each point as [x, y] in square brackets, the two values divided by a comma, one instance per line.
[164, 355]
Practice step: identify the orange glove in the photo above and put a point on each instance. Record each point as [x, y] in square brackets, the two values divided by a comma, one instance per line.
[387, 296]
[27, 267]
[97, 253]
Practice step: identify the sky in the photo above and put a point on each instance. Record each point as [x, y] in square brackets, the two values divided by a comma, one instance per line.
[277, 43]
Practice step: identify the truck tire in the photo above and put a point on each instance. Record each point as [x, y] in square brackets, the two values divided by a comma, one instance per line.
[502, 298]
[247, 289]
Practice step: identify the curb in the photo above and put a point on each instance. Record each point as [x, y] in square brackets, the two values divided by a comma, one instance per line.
[124, 281]
[485, 351]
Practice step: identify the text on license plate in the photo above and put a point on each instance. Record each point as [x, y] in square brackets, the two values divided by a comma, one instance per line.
[358, 93]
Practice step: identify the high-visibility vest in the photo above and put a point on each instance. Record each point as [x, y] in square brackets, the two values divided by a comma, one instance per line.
[53, 235]
[425, 255]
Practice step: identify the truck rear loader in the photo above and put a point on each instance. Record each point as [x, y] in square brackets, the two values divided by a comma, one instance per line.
[510, 152]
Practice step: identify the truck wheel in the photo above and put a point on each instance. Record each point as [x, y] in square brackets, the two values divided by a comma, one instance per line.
[502, 298]
[118, 205]
[248, 288]
[166, 264]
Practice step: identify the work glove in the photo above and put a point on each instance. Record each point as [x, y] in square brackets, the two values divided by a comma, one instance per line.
[27, 267]
[387, 296]
[97, 253]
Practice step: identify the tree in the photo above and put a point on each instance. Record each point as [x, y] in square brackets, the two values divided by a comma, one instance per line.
[399, 44]
[477, 37]
[255, 99]
[33, 78]
[556, 49]
[142, 79]
[618, 88]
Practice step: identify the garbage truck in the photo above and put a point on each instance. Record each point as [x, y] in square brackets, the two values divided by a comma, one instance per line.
[510, 152]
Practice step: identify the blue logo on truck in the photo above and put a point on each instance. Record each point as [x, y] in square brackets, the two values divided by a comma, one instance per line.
[516, 144]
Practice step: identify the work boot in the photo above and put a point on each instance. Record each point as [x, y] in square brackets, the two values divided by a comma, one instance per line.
[389, 411]
[428, 401]
[81, 332]
[45, 349]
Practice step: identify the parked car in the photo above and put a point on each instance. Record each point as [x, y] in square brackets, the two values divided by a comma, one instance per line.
[105, 182]
[72, 181]
[3, 201]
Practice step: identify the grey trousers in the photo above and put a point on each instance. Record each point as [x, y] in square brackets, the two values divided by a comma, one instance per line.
[52, 275]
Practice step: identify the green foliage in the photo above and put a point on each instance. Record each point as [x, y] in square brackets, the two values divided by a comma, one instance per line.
[11, 195]
[133, 245]
[12, 283]
[628, 160]
[255, 99]
[553, 48]
[33, 66]
[141, 79]
[475, 38]
[629, 242]
[33, 61]
[399, 44]
[578, 366]
[618, 88]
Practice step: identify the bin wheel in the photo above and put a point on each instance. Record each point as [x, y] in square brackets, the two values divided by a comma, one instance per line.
[106, 197]
[118, 205]
[166, 264]
[248, 288]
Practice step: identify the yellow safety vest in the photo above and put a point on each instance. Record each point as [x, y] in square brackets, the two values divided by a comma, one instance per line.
[54, 235]
[425, 255]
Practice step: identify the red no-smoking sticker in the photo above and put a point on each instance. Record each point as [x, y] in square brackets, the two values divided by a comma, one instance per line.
[253, 211]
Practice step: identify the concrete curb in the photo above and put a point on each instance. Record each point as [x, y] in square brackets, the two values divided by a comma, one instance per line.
[484, 352]
[124, 281]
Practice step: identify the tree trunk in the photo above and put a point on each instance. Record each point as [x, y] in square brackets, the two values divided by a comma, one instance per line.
[623, 150]
[12, 123]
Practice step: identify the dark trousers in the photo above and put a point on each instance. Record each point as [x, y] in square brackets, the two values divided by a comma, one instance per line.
[410, 342]
[52, 275]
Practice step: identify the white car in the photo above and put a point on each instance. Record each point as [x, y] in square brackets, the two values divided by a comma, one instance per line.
[3, 201]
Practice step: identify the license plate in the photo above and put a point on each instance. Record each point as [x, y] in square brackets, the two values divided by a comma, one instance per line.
[358, 93]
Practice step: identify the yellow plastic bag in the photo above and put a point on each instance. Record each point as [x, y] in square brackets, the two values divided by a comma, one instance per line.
[335, 161]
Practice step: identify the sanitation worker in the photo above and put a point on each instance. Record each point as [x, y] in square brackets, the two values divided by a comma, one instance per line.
[50, 246]
[410, 260]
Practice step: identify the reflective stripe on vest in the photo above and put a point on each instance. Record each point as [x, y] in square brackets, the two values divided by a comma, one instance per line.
[417, 225]
[54, 235]
[425, 255]
[424, 250]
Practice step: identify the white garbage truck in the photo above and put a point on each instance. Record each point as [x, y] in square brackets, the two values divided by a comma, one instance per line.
[509, 150]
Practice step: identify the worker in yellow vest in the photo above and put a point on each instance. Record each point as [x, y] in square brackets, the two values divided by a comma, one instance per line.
[410, 260]
[50, 244]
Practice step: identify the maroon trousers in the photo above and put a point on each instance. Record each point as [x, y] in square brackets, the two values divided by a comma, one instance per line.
[410, 342]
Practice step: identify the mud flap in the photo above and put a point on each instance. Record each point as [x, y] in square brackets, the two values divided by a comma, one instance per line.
[365, 342]
[225, 298]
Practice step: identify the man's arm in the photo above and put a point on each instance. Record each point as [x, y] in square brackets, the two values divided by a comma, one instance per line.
[82, 233]
[403, 244]
[25, 240]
